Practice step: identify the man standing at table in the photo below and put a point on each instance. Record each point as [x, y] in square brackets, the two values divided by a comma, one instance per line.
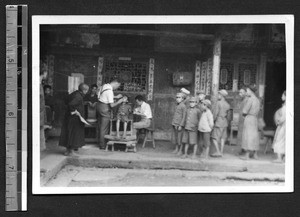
[106, 102]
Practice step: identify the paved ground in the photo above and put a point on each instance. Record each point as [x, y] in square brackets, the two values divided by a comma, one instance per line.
[72, 176]
[148, 161]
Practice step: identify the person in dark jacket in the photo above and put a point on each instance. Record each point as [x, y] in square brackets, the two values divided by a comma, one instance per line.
[92, 97]
[178, 123]
[190, 135]
[72, 132]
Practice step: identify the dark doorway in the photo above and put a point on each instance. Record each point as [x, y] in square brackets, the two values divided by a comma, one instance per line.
[275, 85]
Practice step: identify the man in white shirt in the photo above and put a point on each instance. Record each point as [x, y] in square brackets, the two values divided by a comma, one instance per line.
[106, 102]
[144, 111]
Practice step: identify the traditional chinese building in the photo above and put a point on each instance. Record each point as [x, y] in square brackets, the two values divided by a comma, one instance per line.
[157, 60]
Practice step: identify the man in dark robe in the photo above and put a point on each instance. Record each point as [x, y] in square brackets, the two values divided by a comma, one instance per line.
[72, 132]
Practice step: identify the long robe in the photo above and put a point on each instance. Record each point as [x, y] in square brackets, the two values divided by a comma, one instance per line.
[72, 132]
[250, 138]
[241, 121]
[279, 138]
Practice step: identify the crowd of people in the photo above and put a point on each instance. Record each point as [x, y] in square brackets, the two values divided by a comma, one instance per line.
[104, 100]
[196, 122]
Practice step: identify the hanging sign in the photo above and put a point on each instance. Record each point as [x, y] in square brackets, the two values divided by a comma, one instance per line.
[150, 80]
[203, 76]
[99, 71]
[197, 76]
[209, 76]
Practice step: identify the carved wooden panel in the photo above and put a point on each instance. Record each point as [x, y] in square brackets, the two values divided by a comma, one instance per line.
[226, 76]
[247, 74]
[133, 75]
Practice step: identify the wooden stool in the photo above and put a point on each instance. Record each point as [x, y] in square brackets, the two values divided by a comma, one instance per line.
[130, 145]
[149, 133]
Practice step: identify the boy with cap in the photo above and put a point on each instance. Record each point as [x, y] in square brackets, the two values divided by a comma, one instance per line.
[219, 133]
[201, 97]
[190, 135]
[206, 125]
[178, 121]
[186, 95]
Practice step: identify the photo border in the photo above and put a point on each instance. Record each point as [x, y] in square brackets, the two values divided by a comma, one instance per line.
[288, 20]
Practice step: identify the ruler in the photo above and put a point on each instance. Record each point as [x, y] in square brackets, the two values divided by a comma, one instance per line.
[16, 107]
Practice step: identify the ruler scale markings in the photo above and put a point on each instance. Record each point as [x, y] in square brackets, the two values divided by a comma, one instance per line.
[11, 97]
[24, 95]
[16, 129]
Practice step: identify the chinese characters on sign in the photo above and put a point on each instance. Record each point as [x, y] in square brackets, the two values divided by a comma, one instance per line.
[208, 76]
[197, 76]
[99, 71]
[203, 76]
[151, 79]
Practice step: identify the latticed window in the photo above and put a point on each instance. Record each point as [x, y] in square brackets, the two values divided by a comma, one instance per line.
[247, 74]
[133, 75]
[226, 76]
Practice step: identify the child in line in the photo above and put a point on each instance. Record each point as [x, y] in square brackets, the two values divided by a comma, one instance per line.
[190, 135]
[206, 125]
[201, 97]
[219, 133]
[186, 95]
[123, 115]
[178, 122]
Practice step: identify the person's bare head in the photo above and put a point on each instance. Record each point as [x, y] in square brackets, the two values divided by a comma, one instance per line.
[179, 97]
[94, 88]
[47, 89]
[139, 99]
[242, 92]
[84, 88]
[115, 83]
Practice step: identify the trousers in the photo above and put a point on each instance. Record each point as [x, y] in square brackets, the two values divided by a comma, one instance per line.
[103, 117]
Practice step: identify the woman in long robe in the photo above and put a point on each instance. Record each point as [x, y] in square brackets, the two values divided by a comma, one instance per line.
[244, 98]
[279, 138]
[72, 132]
[250, 138]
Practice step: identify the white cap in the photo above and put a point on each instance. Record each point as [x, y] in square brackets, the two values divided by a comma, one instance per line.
[206, 102]
[185, 91]
[223, 92]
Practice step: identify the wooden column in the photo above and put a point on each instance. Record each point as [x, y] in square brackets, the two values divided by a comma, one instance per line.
[262, 75]
[262, 80]
[216, 70]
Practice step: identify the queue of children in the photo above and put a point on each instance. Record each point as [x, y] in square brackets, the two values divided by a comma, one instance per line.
[195, 124]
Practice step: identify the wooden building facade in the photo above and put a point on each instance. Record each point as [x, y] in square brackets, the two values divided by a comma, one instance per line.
[157, 60]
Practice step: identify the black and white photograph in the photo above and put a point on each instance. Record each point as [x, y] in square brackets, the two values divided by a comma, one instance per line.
[162, 104]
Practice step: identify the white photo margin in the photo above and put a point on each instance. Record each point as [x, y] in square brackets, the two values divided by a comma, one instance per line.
[288, 20]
